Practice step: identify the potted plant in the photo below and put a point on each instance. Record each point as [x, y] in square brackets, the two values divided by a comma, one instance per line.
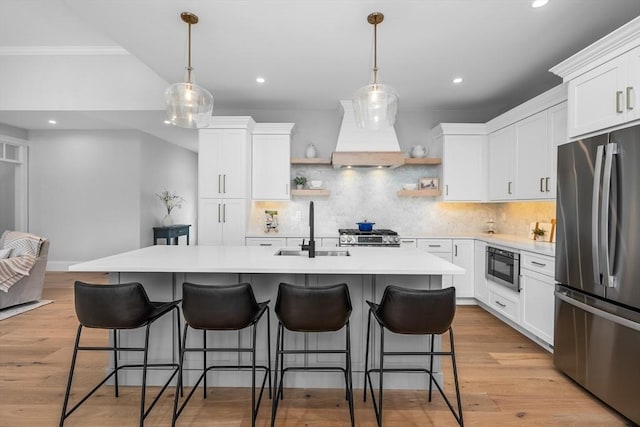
[300, 182]
[538, 233]
[170, 200]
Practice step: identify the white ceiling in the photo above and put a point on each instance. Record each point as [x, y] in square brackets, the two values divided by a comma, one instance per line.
[316, 52]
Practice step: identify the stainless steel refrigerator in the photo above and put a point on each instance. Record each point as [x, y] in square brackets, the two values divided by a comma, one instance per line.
[597, 312]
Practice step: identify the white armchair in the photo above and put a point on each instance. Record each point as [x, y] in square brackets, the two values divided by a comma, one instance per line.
[29, 288]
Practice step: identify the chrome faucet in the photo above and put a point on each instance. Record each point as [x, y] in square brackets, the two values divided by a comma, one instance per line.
[311, 247]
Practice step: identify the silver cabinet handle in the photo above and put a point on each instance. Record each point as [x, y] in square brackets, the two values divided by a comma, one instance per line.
[446, 189]
[219, 212]
[541, 183]
[619, 101]
[435, 246]
[538, 264]
[219, 183]
[509, 188]
[455, 250]
[224, 212]
[224, 183]
[546, 185]
[630, 98]
[501, 304]
[266, 244]
[286, 189]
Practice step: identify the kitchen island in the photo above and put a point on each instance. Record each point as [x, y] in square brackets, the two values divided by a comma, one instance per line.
[367, 271]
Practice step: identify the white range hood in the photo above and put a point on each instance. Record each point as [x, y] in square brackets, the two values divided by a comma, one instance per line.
[364, 147]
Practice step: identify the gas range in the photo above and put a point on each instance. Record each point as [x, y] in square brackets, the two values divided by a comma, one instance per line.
[355, 237]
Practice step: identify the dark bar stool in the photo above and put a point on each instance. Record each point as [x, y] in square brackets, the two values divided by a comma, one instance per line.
[116, 307]
[413, 312]
[223, 308]
[321, 309]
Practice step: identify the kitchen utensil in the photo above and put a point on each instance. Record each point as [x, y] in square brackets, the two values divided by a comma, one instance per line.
[365, 225]
[409, 186]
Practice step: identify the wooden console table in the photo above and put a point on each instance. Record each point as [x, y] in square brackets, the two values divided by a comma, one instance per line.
[171, 233]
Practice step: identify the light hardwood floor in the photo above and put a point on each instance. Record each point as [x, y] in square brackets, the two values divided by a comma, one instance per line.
[506, 380]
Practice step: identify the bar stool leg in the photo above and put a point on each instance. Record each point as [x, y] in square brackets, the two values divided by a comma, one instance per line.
[350, 378]
[366, 359]
[115, 361]
[180, 385]
[71, 370]
[381, 375]
[455, 377]
[144, 375]
[431, 367]
[204, 363]
[276, 388]
[253, 376]
[269, 348]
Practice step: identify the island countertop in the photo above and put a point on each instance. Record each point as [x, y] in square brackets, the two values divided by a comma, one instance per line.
[256, 259]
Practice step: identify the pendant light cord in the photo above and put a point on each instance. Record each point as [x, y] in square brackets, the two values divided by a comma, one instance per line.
[375, 53]
[189, 67]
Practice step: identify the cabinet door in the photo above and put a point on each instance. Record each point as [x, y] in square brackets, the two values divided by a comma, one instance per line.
[233, 222]
[271, 167]
[595, 98]
[447, 279]
[632, 89]
[463, 167]
[463, 256]
[532, 156]
[210, 222]
[557, 136]
[223, 163]
[266, 241]
[538, 304]
[481, 290]
[502, 145]
[234, 155]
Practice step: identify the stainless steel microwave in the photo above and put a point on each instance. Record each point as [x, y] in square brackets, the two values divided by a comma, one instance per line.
[503, 267]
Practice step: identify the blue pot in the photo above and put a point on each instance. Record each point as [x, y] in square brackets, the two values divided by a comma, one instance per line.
[365, 226]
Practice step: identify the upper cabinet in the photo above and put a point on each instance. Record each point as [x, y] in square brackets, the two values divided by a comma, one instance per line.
[464, 148]
[522, 148]
[223, 158]
[604, 82]
[270, 161]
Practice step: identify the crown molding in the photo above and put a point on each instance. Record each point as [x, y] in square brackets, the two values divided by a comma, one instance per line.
[62, 50]
[610, 46]
[273, 128]
[459, 129]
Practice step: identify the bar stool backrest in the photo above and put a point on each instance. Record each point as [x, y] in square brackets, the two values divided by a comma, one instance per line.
[417, 311]
[320, 309]
[213, 307]
[120, 306]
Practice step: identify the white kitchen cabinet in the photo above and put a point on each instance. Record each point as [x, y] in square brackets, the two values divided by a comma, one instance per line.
[408, 243]
[502, 150]
[464, 161]
[271, 161]
[463, 256]
[480, 288]
[221, 221]
[538, 285]
[442, 248]
[533, 154]
[223, 163]
[605, 96]
[504, 302]
[276, 242]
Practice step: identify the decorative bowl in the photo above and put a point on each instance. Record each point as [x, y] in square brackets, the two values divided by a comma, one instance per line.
[409, 186]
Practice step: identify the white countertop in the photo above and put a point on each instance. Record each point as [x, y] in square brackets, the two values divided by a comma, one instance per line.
[256, 259]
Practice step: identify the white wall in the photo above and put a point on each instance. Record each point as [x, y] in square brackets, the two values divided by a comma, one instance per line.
[92, 192]
[165, 165]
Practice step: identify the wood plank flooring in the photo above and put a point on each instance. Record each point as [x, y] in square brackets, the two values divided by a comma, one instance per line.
[506, 380]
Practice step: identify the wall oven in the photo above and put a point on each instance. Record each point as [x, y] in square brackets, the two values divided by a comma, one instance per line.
[503, 267]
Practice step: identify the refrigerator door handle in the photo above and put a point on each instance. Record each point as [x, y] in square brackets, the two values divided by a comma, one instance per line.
[595, 242]
[597, 312]
[609, 279]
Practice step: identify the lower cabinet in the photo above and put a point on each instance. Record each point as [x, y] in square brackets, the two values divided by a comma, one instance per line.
[221, 221]
[459, 252]
[266, 241]
[504, 301]
[538, 287]
[480, 287]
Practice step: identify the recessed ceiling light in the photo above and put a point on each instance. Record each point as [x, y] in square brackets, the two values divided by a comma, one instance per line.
[539, 3]
[457, 80]
[260, 80]
[52, 122]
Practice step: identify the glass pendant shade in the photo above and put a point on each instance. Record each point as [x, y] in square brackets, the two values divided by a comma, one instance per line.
[188, 105]
[375, 106]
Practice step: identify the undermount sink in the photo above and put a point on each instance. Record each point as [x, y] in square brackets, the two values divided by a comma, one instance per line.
[297, 252]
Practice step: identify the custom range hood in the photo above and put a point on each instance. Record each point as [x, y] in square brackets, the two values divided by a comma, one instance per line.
[363, 147]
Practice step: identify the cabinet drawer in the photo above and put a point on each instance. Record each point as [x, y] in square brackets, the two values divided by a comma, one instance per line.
[435, 245]
[504, 305]
[538, 263]
[266, 241]
[408, 243]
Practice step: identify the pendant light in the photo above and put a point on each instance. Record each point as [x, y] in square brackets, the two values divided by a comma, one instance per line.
[188, 104]
[375, 105]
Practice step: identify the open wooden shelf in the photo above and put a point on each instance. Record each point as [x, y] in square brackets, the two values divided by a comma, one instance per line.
[423, 161]
[309, 192]
[419, 193]
[312, 161]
